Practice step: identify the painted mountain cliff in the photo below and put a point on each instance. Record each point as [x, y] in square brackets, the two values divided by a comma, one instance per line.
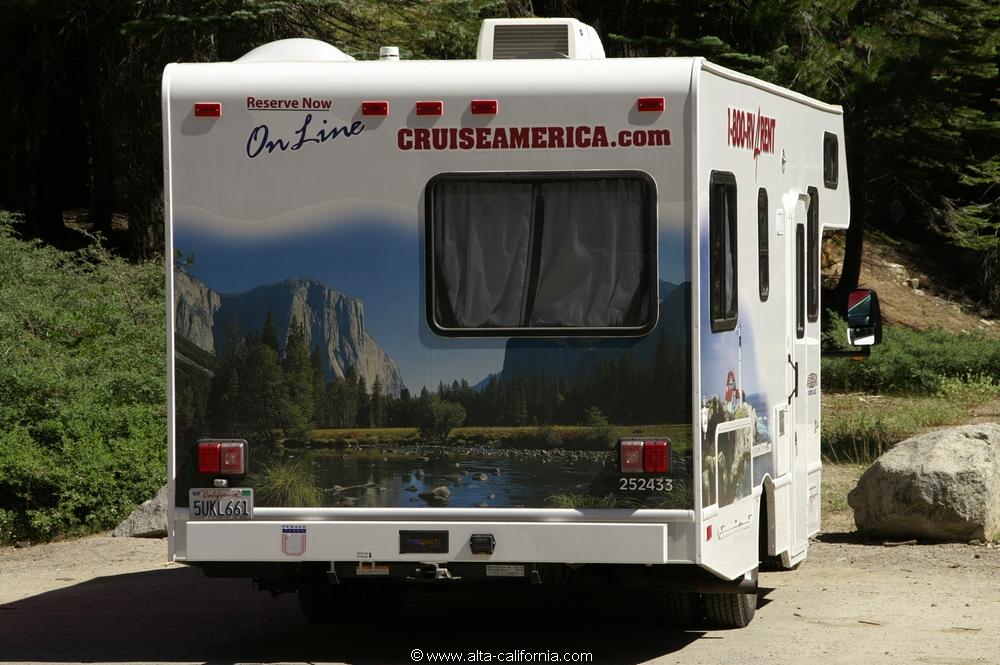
[333, 321]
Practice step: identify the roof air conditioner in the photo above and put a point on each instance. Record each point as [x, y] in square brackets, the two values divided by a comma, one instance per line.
[507, 38]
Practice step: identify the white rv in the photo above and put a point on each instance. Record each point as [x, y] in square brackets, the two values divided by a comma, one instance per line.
[496, 320]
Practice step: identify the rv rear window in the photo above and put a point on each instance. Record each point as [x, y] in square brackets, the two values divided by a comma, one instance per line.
[722, 259]
[536, 254]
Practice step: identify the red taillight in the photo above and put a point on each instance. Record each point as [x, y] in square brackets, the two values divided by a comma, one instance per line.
[430, 108]
[233, 459]
[483, 106]
[651, 456]
[209, 457]
[374, 108]
[651, 104]
[656, 457]
[708, 532]
[631, 456]
[222, 457]
[207, 110]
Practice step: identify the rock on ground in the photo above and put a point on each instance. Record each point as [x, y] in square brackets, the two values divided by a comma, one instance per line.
[942, 485]
[149, 520]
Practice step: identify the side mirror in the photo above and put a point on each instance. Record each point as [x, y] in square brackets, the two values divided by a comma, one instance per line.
[864, 319]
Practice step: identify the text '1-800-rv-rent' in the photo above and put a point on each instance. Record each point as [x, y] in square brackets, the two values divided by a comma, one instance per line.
[496, 320]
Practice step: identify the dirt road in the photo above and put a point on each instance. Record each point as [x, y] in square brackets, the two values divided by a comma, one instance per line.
[108, 600]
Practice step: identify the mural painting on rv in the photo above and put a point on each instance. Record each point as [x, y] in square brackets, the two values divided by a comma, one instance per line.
[313, 346]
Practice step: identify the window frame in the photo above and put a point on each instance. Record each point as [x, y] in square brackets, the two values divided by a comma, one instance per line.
[651, 274]
[763, 246]
[724, 323]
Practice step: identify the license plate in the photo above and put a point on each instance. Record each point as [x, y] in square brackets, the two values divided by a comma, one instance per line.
[218, 503]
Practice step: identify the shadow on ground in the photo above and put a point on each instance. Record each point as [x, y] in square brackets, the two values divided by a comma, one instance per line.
[177, 614]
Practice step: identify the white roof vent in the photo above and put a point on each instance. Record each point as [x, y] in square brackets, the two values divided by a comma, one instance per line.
[296, 50]
[507, 38]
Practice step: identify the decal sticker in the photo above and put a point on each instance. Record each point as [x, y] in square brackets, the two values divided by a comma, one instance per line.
[262, 141]
[524, 138]
[293, 539]
[751, 131]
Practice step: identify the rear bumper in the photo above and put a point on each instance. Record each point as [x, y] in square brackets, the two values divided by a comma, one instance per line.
[578, 542]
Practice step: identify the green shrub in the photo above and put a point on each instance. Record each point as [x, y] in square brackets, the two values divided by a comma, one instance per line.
[437, 417]
[912, 362]
[287, 483]
[82, 388]
[858, 429]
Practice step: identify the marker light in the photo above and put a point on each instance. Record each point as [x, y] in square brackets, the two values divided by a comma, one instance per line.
[208, 109]
[631, 456]
[484, 106]
[430, 108]
[651, 104]
[374, 108]
[656, 456]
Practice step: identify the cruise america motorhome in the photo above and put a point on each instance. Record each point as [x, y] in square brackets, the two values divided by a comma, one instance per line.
[498, 320]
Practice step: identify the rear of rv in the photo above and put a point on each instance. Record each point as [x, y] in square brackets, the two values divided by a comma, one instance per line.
[432, 320]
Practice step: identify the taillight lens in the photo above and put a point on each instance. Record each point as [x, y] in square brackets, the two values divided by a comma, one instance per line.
[635, 456]
[209, 458]
[233, 458]
[656, 456]
[631, 456]
[222, 457]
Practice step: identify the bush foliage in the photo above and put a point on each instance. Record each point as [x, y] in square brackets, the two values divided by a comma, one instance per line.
[82, 424]
[910, 362]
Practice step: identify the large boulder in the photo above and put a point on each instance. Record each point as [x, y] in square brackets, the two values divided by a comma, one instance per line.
[149, 520]
[943, 485]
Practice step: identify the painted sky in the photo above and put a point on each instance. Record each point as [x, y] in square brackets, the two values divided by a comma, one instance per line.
[377, 261]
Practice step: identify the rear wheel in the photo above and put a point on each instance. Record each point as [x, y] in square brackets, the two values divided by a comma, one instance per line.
[731, 610]
[676, 608]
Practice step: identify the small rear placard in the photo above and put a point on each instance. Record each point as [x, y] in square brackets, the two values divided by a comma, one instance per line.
[423, 542]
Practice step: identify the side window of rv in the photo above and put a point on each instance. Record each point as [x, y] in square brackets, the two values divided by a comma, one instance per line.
[763, 260]
[831, 160]
[722, 248]
[532, 254]
[812, 255]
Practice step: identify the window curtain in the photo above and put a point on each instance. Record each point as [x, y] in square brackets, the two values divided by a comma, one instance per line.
[482, 234]
[592, 263]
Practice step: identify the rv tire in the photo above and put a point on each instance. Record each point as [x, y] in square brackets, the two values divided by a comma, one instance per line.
[731, 610]
[676, 608]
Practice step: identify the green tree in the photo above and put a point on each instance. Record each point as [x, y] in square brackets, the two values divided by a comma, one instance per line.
[299, 382]
[377, 404]
[436, 418]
